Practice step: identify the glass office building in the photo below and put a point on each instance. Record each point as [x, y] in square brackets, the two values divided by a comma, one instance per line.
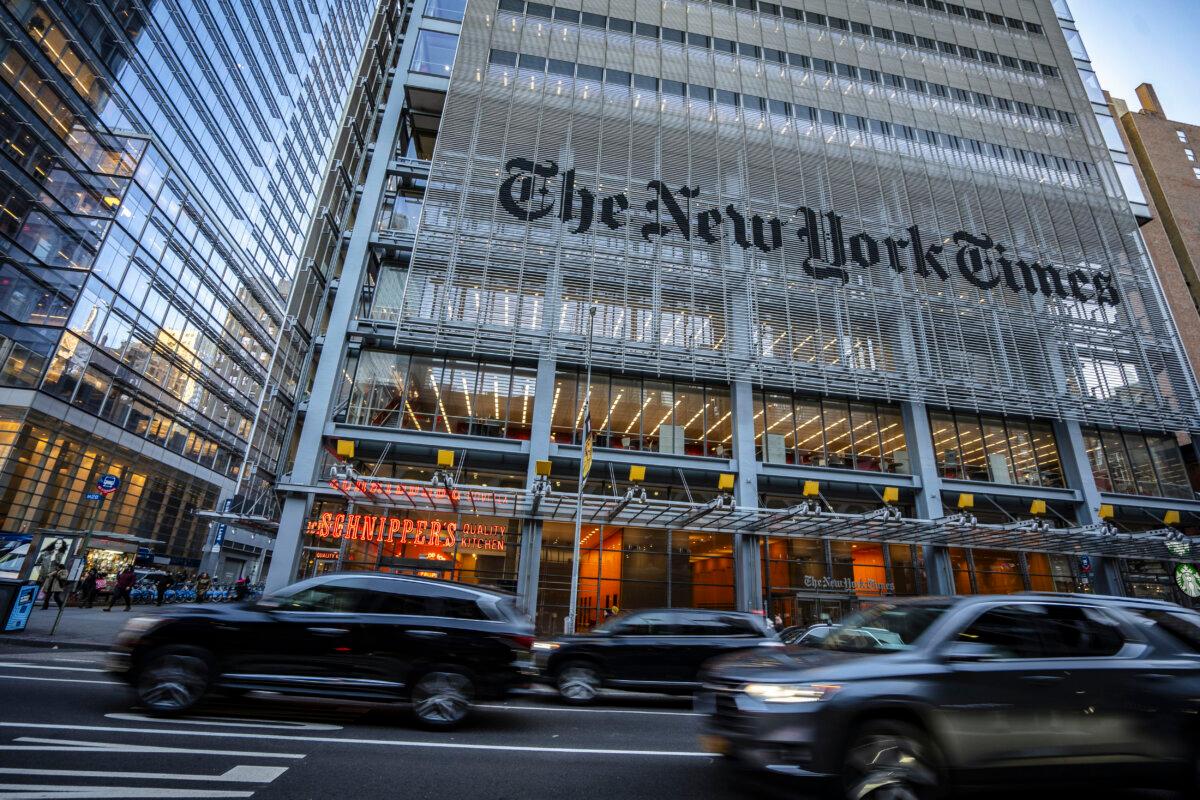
[858, 284]
[160, 166]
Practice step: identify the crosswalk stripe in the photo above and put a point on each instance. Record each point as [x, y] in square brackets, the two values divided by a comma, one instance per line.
[33, 743]
[18, 791]
[242, 773]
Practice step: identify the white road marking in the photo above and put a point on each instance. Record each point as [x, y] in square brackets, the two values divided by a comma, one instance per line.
[21, 791]
[507, 707]
[378, 742]
[60, 669]
[54, 680]
[232, 722]
[74, 746]
[243, 773]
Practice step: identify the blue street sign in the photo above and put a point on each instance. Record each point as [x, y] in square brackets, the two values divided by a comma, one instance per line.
[93, 496]
[108, 484]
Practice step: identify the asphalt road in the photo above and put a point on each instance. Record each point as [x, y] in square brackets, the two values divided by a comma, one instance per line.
[68, 730]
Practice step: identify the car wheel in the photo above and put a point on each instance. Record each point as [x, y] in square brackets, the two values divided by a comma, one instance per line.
[442, 699]
[173, 680]
[578, 683]
[891, 760]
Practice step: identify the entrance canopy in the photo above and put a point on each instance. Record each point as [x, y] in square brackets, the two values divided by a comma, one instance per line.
[884, 525]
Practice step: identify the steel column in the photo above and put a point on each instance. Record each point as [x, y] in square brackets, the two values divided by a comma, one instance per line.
[923, 461]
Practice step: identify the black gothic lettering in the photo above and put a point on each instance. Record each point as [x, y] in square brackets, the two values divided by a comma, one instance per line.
[527, 173]
[923, 261]
[1007, 268]
[893, 250]
[1078, 280]
[1048, 281]
[972, 261]
[587, 204]
[677, 214]
[1106, 288]
[761, 228]
[526, 194]
[610, 207]
[864, 250]
[708, 225]
[739, 227]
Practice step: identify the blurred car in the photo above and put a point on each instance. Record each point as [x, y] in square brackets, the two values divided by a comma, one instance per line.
[1022, 688]
[654, 651]
[806, 636]
[365, 636]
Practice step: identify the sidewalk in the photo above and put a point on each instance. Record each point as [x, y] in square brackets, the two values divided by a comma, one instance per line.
[79, 628]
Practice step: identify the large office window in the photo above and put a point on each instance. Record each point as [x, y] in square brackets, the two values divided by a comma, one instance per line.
[434, 53]
[1127, 462]
[446, 9]
[829, 433]
[632, 568]
[632, 413]
[995, 449]
[442, 395]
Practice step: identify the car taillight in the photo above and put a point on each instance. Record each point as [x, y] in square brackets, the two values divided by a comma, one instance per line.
[522, 641]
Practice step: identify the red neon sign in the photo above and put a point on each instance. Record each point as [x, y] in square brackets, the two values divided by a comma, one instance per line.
[382, 528]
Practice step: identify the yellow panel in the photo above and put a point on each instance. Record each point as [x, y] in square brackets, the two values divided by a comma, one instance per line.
[1037, 507]
[445, 458]
[637, 473]
[891, 494]
[542, 467]
[345, 448]
[1171, 518]
[725, 481]
[812, 488]
[1106, 511]
[966, 500]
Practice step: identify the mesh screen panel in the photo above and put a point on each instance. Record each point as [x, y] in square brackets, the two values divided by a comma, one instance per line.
[717, 304]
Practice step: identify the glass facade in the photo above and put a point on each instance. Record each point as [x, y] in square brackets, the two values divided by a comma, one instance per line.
[634, 413]
[144, 275]
[829, 433]
[994, 449]
[1127, 462]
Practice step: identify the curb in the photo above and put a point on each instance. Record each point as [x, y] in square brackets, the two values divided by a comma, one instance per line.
[63, 644]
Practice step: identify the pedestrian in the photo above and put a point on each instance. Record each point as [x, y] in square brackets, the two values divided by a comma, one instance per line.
[778, 623]
[203, 584]
[240, 587]
[54, 584]
[162, 582]
[87, 588]
[121, 588]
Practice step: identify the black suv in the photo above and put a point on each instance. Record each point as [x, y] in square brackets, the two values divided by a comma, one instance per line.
[908, 697]
[437, 644]
[654, 651]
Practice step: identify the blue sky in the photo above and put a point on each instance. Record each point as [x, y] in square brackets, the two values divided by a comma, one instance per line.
[1145, 41]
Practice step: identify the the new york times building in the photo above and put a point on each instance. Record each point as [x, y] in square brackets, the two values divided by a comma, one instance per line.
[872, 262]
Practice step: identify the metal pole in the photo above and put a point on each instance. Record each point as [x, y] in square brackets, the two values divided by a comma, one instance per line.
[87, 540]
[569, 626]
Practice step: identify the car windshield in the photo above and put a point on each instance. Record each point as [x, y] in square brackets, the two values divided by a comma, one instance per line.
[883, 628]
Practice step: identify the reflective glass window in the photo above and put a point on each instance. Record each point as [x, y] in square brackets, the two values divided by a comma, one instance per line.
[434, 53]
[837, 434]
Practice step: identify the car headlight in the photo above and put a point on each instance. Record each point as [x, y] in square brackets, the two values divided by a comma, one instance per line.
[791, 692]
[546, 646]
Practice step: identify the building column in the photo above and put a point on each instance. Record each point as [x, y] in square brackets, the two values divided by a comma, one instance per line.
[747, 547]
[327, 377]
[923, 461]
[1072, 454]
[529, 561]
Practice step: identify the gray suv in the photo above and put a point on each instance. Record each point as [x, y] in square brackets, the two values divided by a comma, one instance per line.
[970, 690]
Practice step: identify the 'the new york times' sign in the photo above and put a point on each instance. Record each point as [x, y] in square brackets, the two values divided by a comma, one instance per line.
[542, 190]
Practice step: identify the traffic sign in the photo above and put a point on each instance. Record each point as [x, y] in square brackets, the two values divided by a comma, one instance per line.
[108, 484]
[93, 496]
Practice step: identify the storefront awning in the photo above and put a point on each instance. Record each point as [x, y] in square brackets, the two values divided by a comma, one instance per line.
[883, 525]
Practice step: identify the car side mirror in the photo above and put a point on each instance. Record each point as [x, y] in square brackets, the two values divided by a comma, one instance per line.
[966, 652]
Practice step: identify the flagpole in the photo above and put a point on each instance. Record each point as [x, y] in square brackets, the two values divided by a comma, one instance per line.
[584, 458]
